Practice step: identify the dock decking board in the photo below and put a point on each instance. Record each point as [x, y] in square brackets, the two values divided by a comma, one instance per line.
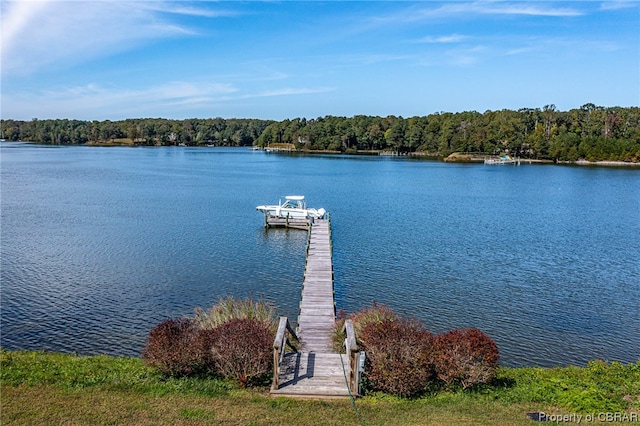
[316, 371]
[318, 286]
[312, 375]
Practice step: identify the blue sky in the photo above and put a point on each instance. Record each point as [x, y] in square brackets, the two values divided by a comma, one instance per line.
[98, 60]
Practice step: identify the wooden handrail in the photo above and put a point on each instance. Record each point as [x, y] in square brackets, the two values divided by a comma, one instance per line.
[280, 343]
[354, 356]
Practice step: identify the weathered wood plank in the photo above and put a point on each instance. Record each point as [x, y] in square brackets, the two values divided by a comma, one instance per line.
[316, 372]
[312, 375]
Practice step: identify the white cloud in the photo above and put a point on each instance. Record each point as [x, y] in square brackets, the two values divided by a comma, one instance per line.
[452, 38]
[36, 34]
[184, 90]
[176, 98]
[449, 9]
[560, 44]
[619, 4]
[90, 101]
[537, 9]
[179, 9]
[519, 51]
[466, 57]
[292, 91]
[16, 17]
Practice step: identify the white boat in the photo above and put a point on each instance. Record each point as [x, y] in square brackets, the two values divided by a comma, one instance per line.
[503, 159]
[293, 206]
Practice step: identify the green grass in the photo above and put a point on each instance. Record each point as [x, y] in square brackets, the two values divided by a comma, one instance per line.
[598, 387]
[51, 388]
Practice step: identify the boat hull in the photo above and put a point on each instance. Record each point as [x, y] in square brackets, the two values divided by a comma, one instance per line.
[293, 213]
[294, 207]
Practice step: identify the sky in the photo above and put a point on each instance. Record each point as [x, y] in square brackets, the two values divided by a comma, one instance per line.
[112, 60]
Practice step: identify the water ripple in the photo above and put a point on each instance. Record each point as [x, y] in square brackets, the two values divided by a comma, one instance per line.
[99, 245]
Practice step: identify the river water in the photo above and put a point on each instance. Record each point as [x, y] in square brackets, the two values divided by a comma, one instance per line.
[100, 244]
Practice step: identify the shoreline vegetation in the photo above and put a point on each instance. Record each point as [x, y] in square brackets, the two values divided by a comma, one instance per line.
[54, 388]
[588, 135]
[456, 157]
[195, 370]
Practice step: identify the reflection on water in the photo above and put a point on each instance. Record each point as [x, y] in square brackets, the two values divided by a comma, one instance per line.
[101, 244]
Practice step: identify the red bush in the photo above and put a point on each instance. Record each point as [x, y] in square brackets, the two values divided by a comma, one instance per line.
[466, 356]
[243, 349]
[178, 347]
[398, 356]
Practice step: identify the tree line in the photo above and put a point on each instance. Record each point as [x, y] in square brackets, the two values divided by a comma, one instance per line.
[144, 131]
[590, 132]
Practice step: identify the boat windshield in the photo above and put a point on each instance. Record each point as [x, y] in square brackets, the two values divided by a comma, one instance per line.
[293, 204]
[293, 201]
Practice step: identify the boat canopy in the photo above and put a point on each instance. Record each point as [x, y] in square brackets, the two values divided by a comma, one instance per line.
[294, 197]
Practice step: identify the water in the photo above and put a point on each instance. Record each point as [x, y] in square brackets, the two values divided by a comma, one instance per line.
[101, 244]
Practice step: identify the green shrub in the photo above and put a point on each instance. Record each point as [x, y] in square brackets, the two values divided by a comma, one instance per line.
[466, 356]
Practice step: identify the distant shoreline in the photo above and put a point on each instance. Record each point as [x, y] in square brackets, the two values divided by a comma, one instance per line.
[479, 158]
[453, 158]
[601, 163]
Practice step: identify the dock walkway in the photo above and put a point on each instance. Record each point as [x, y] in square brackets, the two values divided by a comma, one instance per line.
[317, 308]
[317, 370]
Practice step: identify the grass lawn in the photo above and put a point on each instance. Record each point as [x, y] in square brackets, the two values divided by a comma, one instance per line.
[47, 388]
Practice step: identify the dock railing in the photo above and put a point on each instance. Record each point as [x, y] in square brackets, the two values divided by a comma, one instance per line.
[283, 339]
[354, 357]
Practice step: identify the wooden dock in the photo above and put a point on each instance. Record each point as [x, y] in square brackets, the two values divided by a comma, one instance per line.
[287, 222]
[316, 370]
[317, 308]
